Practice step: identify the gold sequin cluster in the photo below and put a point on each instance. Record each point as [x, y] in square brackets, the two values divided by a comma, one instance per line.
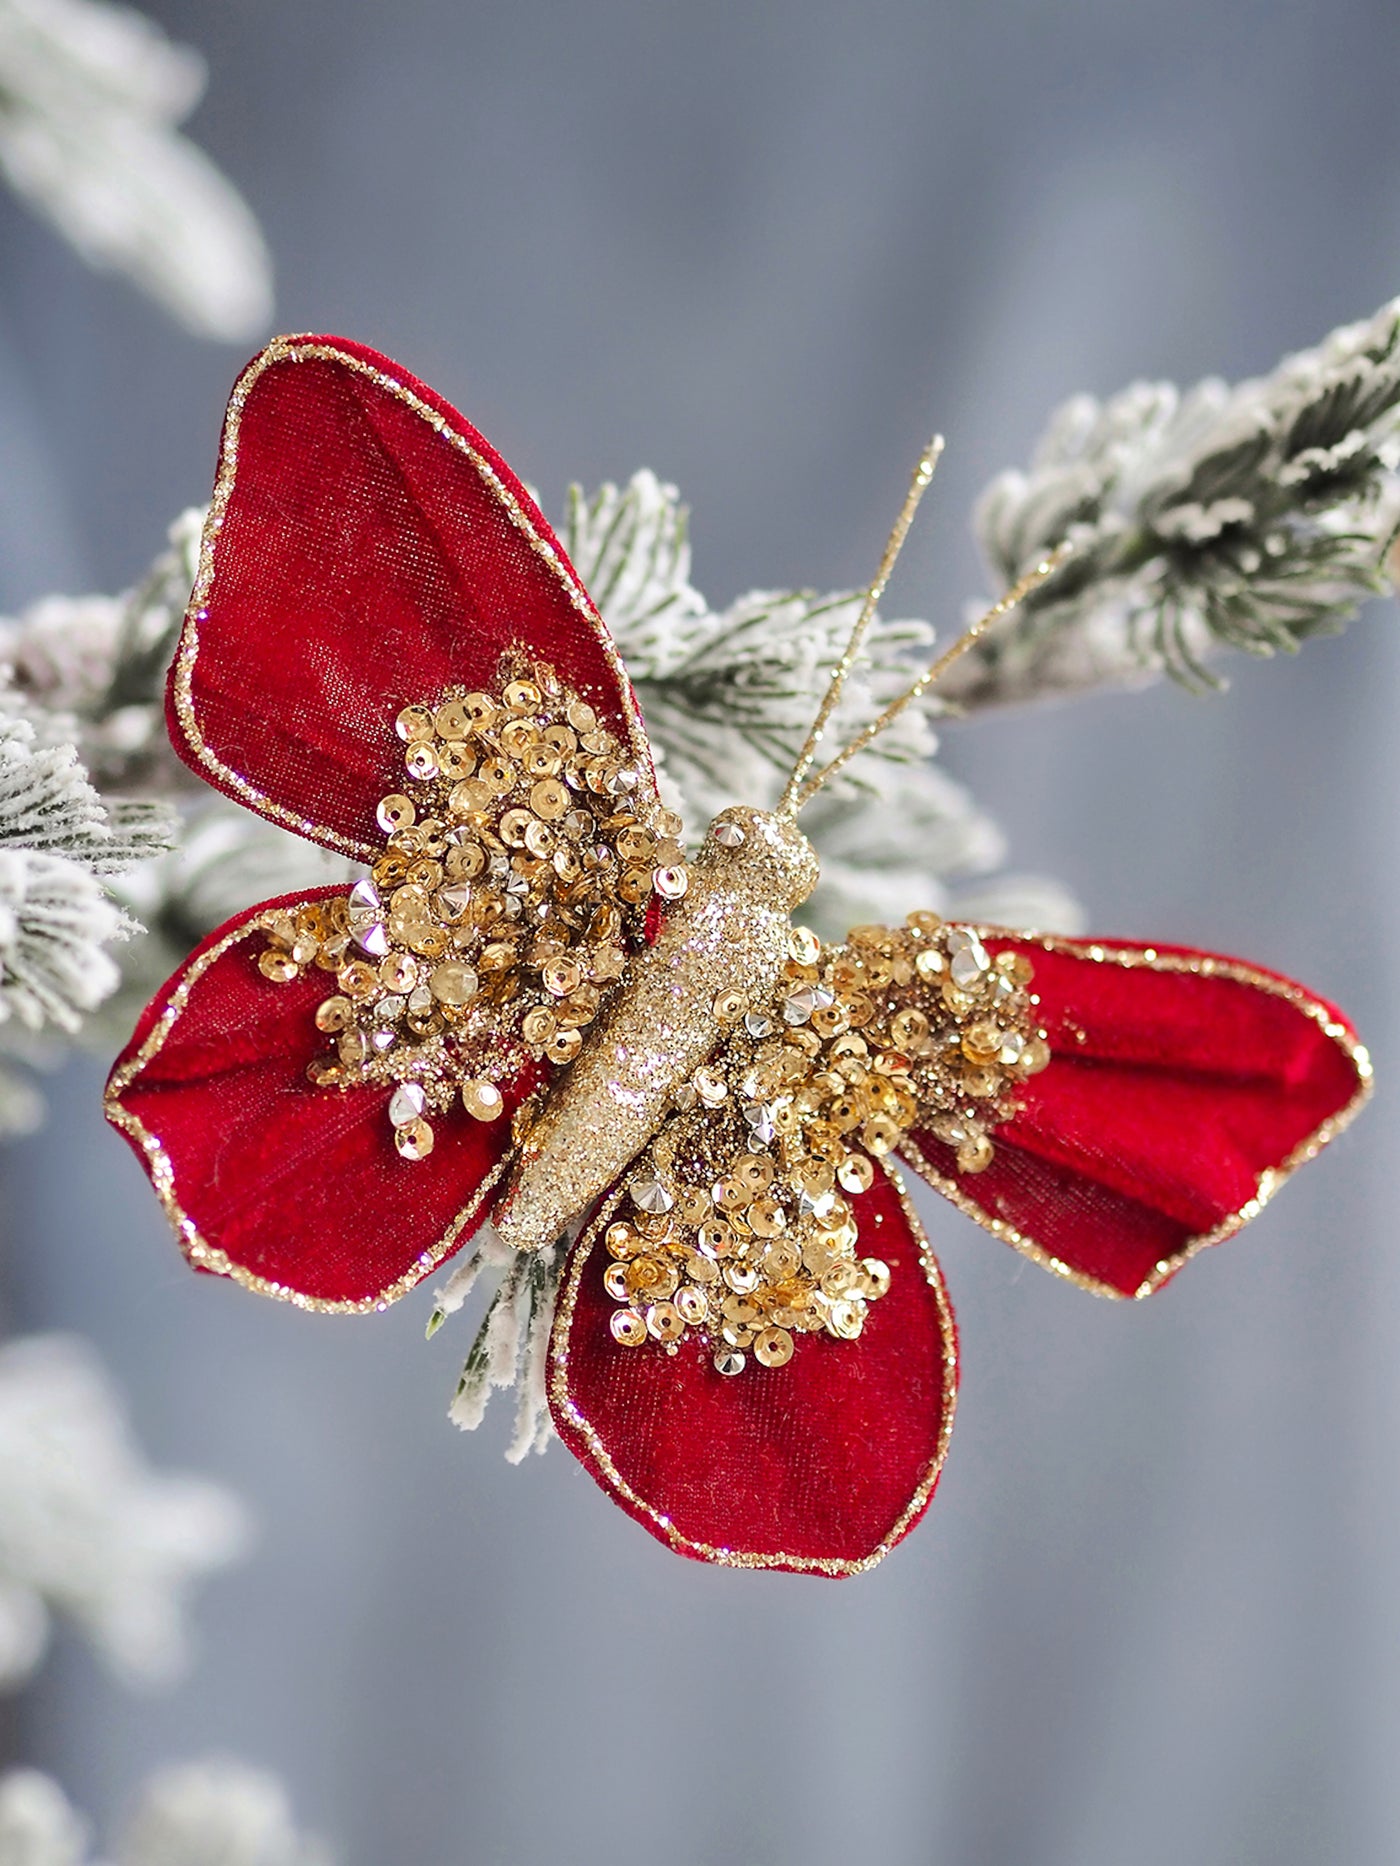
[950, 1029]
[522, 855]
[738, 1228]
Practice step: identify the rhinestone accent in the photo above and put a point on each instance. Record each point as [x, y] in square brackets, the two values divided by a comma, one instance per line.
[406, 1104]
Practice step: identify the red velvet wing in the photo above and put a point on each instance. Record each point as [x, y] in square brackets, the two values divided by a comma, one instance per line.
[818, 1466]
[293, 1190]
[1183, 1089]
[365, 549]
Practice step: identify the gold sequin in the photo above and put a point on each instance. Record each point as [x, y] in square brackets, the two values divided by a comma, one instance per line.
[548, 799]
[772, 1347]
[453, 983]
[692, 1305]
[358, 980]
[398, 974]
[334, 1014]
[464, 861]
[455, 761]
[564, 1046]
[628, 1328]
[855, 1173]
[664, 1321]
[414, 722]
[538, 1026]
[396, 812]
[483, 1100]
[414, 1140]
[469, 796]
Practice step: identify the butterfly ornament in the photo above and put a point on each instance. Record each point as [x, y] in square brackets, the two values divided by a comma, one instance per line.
[542, 1010]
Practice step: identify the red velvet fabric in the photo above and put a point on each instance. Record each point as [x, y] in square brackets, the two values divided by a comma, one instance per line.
[821, 1464]
[364, 561]
[299, 1186]
[1168, 1096]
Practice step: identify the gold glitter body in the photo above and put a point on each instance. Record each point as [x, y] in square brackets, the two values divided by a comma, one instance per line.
[727, 938]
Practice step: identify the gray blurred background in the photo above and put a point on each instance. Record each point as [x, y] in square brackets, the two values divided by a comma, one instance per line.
[1152, 1616]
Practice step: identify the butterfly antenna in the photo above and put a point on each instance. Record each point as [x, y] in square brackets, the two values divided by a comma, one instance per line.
[1017, 594]
[789, 803]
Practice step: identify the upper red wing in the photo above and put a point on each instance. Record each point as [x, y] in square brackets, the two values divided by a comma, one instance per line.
[818, 1466]
[1182, 1089]
[365, 549]
[295, 1191]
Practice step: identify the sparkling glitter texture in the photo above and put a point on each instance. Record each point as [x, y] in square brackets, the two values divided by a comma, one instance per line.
[520, 860]
[719, 953]
[737, 1228]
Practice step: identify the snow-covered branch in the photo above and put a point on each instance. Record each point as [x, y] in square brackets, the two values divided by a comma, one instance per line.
[1252, 518]
[58, 842]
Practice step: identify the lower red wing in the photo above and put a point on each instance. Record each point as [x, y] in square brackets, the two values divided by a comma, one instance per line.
[1182, 1089]
[296, 1191]
[820, 1466]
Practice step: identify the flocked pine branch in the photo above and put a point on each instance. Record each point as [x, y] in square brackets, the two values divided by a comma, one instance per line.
[91, 669]
[749, 673]
[90, 97]
[1249, 518]
[212, 1813]
[59, 842]
[79, 691]
[512, 1342]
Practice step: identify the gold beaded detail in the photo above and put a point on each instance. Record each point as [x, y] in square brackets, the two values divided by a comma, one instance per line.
[521, 858]
[738, 1226]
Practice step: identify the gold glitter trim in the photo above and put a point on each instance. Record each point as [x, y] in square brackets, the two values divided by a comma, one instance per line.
[563, 1404]
[1203, 965]
[205, 1256]
[291, 350]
